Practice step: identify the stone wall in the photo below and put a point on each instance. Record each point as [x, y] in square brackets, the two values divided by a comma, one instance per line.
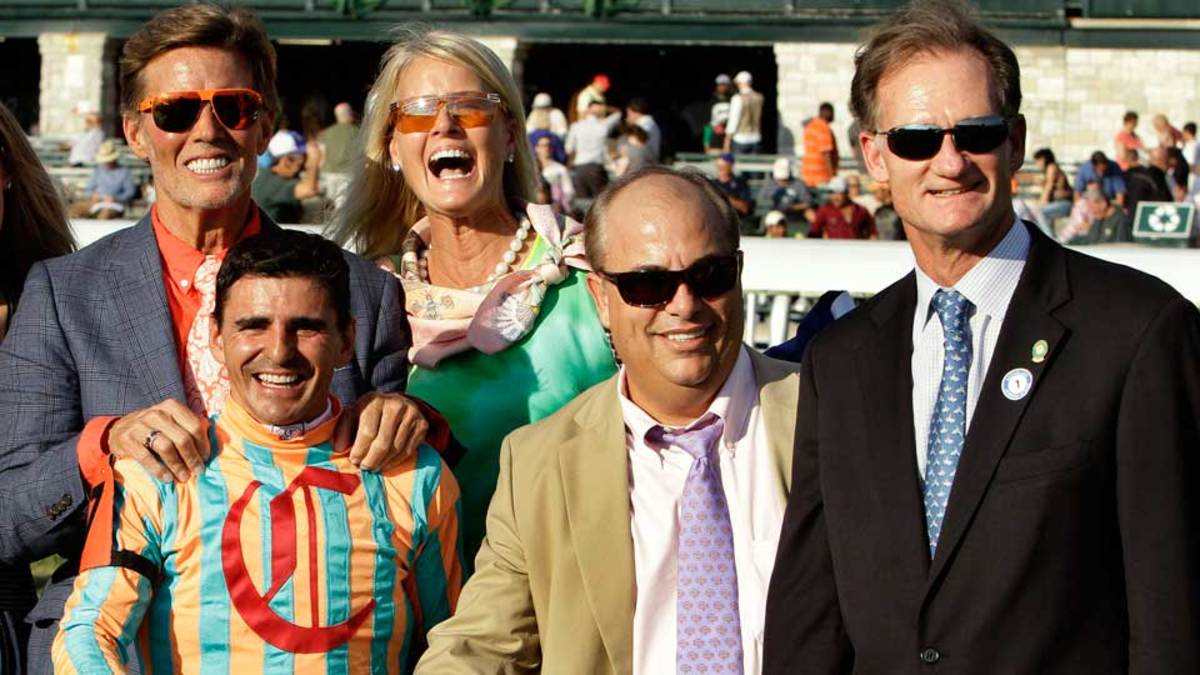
[810, 74]
[78, 75]
[1073, 98]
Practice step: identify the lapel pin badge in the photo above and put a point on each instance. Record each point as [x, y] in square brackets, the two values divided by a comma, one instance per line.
[1040, 349]
[1016, 384]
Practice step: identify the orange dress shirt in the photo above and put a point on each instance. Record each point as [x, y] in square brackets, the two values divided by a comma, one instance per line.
[180, 262]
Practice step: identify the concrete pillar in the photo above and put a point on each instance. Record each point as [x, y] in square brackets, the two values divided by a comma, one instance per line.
[79, 73]
[510, 51]
[809, 74]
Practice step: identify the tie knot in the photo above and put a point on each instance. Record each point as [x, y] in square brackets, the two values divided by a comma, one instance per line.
[697, 441]
[952, 308]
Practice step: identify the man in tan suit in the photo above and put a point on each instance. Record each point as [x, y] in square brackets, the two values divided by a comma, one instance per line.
[634, 531]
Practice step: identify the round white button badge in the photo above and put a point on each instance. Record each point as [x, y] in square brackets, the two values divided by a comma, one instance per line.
[1017, 383]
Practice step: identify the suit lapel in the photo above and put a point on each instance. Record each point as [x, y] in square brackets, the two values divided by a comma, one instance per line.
[778, 399]
[1042, 288]
[135, 278]
[885, 377]
[595, 478]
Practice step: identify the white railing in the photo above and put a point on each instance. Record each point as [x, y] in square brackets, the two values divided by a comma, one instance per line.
[779, 271]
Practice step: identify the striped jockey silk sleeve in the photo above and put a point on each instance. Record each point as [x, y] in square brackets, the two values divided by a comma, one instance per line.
[280, 557]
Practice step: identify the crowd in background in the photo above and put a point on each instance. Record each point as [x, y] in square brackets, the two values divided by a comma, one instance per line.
[583, 148]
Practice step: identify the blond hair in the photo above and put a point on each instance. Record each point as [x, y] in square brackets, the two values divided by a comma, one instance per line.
[34, 225]
[380, 207]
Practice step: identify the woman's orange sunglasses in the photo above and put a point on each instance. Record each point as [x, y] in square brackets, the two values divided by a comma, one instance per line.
[468, 108]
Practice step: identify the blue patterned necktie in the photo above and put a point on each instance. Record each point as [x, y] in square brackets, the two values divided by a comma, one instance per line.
[948, 425]
[709, 634]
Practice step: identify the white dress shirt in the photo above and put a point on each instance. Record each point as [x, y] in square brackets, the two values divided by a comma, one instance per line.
[756, 503]
[989, 285]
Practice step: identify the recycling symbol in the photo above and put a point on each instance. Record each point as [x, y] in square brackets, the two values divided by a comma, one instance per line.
[1164, 219]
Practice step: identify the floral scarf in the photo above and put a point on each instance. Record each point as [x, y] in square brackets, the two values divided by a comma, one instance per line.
[448, 321]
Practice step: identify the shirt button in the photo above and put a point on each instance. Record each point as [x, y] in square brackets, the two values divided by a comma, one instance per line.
[930, 656]
[184, 283]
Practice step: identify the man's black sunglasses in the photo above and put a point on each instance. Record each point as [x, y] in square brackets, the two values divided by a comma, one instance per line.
[922, 141]
[708, 278]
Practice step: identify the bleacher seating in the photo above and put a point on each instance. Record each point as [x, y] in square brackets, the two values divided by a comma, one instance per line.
[72, 180]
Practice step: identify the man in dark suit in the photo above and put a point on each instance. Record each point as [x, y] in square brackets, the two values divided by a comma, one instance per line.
[995, 456]
[105, 357]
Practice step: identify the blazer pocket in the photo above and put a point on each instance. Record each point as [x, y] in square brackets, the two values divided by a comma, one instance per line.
[1047, 462]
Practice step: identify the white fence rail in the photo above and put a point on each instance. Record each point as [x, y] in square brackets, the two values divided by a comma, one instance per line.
[779, 270]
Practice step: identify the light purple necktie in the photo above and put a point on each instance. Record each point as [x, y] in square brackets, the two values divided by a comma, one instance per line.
[709, 634]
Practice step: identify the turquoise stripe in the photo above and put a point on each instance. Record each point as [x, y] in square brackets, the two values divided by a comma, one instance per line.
[144, 592]
[82, 646]
[337, 558]
[407, 662]
[384, 591]
[160, 638]
[275, 660]
[213, 498]
[429, 574]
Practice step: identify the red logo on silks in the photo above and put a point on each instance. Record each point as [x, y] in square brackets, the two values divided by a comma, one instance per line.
[254, 607]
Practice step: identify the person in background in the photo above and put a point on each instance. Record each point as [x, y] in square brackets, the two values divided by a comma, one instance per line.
[1105, 222]
[1145, 183]
[110, 188]
[587, 148]
[556, 177]
[735, 188]
[281, 189]
[1056, 197]
[854, 190]
[1190, 148]
[504, 332]
[743, 132]
[637, 112]
[775, 225]
[820, 162]
[593, 92]
[1168, 136]
[339, 152]
[87, 143]
[887, 221]
[546, 121]
[786, 194]
[33, 227]
[840, 218]
[1126, 139]
[1109, 177]
[170, 570]
[718, 115]
[633, 153]
[543, 115]
[1178, 173]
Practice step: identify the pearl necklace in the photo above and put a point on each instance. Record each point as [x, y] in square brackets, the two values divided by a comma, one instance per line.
[414, 258]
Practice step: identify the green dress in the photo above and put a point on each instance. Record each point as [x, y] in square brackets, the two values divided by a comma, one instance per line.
[486, 396]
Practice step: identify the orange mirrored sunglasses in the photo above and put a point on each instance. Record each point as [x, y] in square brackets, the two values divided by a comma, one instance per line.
[177, 111]
[469, 109]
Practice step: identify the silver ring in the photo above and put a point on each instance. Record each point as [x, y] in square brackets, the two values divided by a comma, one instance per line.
[149, 442]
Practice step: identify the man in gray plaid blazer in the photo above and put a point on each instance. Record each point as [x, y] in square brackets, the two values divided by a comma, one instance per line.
[98, 360]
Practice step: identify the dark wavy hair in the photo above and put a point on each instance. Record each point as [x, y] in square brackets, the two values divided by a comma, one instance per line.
[34, 225]
[288, 254]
